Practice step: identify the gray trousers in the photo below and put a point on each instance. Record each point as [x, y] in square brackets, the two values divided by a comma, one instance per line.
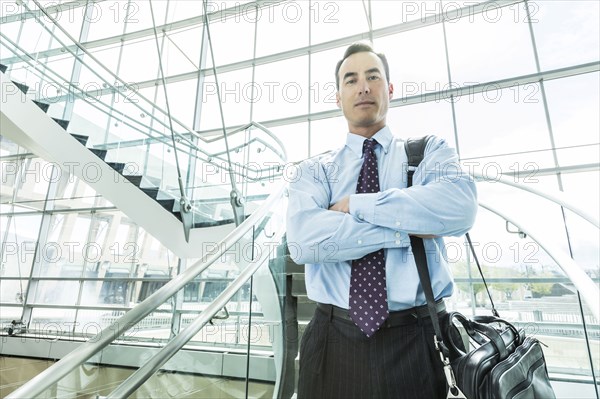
[338, 361]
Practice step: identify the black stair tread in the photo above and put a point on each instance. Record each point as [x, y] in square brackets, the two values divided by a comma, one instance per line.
[118, 166]
[99, 153]
[3, 68]
[143, 181]
[169, 205]
[81, 138]
[151, 192]
[43, 106]
[24, 88]
[62, 123]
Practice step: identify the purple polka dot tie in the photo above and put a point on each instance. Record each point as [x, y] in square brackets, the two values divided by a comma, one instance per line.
[368, 293]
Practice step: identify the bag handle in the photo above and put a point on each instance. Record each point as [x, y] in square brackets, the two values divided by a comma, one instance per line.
[472, 328]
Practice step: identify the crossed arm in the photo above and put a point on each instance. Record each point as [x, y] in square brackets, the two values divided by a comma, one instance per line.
[433, 207]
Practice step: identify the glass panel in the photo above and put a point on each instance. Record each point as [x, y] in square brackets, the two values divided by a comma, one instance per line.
[135, 50]
[295, 140]
[52, 322]
[12, 292]
[237, 92]
[573, 104]
[289, 20]
[327, 134]
[412, 70]
[138, 15]
[251, 325]
[284, 90]
[528, 288]
[322, 79]
[18, 244]
[333, 20]
[107, 19]
[566, 32]
[9, 313]
[416, 120]
[223, 41]
[188, 41]
[483, 47]
[514, 124]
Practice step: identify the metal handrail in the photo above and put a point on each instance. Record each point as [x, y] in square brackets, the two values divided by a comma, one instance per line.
[37, 385]
[150, 366]
[583, 282]
[84, 50]
[556, 197]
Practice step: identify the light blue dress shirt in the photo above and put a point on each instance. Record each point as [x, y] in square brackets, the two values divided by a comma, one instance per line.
[441, 202]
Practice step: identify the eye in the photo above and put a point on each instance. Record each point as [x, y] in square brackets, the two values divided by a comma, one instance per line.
[350, 81]
[373, 77]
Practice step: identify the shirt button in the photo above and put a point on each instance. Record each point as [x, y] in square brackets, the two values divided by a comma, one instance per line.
[397, 223]
[360, 216]
[359, 242]
[397, 242]
[397, 234]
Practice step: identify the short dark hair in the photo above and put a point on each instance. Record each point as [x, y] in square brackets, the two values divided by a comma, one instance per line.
[361, 47]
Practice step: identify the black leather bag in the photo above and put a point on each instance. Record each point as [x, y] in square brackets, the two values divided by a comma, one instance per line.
[503, 364]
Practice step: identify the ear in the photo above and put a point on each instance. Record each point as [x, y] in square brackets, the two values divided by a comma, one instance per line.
[338, 100]
[391, 91]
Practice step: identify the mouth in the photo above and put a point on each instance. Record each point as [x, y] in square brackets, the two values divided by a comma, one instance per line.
[364, 103]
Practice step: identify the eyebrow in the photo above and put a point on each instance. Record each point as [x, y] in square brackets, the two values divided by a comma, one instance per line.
[368, 71]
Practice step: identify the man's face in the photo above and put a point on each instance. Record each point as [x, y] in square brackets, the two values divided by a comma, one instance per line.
[364, 93]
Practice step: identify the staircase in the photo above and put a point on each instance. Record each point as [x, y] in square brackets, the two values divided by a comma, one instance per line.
[25, 122]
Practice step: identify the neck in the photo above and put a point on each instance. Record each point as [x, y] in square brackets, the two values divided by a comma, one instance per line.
[366, 131]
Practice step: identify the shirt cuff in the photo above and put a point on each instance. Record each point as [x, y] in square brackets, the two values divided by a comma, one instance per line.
[396, 239]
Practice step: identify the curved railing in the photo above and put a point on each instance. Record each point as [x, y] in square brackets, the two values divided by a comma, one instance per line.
[255, 225]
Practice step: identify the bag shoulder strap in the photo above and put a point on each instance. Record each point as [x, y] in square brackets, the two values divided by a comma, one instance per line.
[415, 152]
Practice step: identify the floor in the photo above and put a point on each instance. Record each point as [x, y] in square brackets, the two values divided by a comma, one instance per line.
[89, 380]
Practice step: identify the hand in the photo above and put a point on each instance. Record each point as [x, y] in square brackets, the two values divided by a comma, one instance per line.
[342, 205]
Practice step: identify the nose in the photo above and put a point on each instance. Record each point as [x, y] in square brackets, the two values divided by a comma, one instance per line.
[364, 87]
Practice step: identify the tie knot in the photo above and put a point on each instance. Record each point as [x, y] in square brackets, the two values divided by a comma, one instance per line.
[369, 145]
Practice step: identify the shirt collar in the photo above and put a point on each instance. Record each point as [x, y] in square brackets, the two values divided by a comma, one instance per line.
[383, 137]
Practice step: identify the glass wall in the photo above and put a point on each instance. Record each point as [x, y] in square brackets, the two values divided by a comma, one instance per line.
[513, 86]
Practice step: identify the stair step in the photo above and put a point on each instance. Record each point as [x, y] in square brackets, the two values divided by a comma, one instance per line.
[136, 180]
[151, 192]
[143, 181]
[292, 267]
[3, 68]
[21, 86]
[118, 166]
[99, 153]
[43, 106]
[169, 205]
[298, 284]
[81, 138]
[62, 123]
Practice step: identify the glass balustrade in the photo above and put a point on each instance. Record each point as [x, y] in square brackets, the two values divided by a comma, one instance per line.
[224, 320]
